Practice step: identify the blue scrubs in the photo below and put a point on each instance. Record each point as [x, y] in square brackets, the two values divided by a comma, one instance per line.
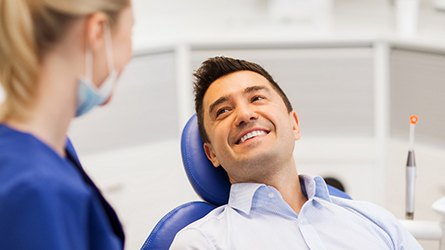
[48, 202]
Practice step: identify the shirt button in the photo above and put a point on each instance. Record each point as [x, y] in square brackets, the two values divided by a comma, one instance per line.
[271, 195]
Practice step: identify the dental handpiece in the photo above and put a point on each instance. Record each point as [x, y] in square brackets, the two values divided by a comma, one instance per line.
[411, 171]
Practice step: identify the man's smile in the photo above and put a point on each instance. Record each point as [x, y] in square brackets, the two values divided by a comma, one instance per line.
[250, 134]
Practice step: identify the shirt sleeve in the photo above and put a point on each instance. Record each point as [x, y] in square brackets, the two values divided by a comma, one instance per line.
[43, 215]
[191, 239]
[400, 237]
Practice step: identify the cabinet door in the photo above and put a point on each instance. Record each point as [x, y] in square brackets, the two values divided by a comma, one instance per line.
[418, 87]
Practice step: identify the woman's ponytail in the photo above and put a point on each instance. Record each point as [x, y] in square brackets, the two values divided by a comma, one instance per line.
[18, 58]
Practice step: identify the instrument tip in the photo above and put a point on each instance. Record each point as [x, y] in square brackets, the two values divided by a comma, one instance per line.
[413, 119]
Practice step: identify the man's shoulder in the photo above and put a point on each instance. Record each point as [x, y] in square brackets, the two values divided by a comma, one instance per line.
[211, 220]
[374, 213]
[214, 223]
[199, 234]
[382, 218]
[367, 209]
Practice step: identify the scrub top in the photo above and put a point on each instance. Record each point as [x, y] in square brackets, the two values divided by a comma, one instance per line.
[49, 202]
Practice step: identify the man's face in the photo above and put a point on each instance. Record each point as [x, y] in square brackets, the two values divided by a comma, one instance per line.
[249, 128]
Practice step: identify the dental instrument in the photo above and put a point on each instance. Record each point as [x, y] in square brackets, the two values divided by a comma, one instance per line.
[411, 170]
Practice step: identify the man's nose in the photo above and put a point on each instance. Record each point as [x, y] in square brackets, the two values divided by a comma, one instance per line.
[245, 114]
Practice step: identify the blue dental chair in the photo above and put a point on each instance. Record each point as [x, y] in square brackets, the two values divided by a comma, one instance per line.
[211, 184]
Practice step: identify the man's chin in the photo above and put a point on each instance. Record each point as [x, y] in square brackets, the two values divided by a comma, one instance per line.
[252, 158]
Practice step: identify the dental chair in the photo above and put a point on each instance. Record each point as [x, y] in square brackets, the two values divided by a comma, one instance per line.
[211, 184]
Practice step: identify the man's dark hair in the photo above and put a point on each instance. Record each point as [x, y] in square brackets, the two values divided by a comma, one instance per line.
[217, 67]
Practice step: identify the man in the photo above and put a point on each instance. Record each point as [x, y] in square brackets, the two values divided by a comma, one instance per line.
[249, 128]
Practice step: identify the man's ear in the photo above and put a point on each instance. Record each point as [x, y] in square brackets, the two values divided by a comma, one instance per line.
[210, 153]
[295, 124]
[95, 28]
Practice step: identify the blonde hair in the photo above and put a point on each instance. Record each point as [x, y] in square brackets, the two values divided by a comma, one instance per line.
[28, 28]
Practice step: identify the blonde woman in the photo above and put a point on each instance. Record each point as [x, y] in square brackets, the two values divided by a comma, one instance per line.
[58, 60]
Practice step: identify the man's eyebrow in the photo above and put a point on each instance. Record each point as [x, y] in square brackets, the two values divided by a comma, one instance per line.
[218, 102]
[247, 90]
[255, 88]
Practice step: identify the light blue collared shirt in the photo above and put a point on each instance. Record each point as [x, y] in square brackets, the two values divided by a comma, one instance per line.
[257, 217]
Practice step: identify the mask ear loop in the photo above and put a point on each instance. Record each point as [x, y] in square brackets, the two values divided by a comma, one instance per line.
[107, 86]
[109, 48]
[88, 64]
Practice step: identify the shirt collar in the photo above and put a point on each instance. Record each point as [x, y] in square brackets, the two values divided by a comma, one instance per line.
[314, 187]
[241, 194]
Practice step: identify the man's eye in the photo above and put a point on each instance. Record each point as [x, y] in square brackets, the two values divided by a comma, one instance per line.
[221, 111]
[257, 98]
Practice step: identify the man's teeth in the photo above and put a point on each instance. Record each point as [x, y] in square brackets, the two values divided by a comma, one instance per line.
[252, 134]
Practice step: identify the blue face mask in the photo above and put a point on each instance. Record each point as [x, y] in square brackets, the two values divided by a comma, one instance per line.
[88, 96]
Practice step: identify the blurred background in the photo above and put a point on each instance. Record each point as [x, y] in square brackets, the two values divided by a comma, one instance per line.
[355, 70]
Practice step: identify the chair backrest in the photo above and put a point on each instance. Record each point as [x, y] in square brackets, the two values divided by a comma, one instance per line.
[162, 235]
[211, 184]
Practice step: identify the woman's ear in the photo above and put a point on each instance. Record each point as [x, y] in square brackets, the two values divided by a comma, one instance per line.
[210, 153]
[95, 30]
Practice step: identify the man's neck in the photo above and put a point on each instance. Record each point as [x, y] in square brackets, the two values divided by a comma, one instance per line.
[282, 175]
[288, 184]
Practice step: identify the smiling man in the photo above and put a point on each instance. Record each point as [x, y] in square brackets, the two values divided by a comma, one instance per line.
[249, 129]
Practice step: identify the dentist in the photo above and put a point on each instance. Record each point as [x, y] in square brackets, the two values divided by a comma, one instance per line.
[58, 60]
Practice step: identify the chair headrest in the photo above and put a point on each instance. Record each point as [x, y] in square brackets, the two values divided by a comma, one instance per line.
[210, 183]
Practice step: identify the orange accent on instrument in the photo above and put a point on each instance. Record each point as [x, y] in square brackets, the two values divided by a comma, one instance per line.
[413, 119]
